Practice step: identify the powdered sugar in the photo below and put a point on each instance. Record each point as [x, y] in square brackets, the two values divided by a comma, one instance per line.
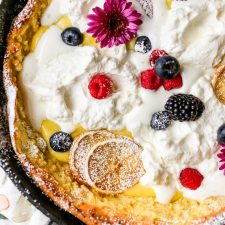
[147, 6]
[66, 100]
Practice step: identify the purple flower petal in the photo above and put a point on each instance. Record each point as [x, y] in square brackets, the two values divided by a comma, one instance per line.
[104, 43]
[101, 37]
[221, 155]
[129, 4]
[98, 11]
[123, 5]
[128, 12]
[222, 167]
[91, 30]
[115, 24]
[94, 18]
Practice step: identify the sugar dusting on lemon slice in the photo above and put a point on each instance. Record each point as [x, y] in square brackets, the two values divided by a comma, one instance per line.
[107, 162]
[114, 165]
[79, 151]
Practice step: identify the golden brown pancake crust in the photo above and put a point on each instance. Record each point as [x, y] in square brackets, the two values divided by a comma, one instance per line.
[54, 178]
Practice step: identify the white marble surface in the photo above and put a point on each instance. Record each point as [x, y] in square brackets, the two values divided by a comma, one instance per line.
[18, 210]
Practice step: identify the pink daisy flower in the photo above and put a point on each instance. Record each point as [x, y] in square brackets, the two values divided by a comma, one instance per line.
[115, 24]
[221, 156]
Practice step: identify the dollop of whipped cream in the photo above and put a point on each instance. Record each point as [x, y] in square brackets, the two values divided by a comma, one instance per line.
[55, 79]
[61, 79]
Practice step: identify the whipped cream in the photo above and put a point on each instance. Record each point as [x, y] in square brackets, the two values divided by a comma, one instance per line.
[61, 79]
[55, 79]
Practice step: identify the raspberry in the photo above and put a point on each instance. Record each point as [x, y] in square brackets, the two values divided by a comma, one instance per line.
[191, 178]
[155, 55]
[176, 82]
[150, 80]
[100, 86]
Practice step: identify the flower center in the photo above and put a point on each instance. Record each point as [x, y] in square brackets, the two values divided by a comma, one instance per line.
[116, 23]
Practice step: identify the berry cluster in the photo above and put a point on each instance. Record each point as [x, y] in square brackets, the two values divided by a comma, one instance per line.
[181, 107]
[164, 71]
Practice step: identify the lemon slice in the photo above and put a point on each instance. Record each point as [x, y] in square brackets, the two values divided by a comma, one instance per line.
[64, 22]
[219, 84]
[131, 44]
[169, 3]
[37, 36]
[139, 190]
[123, 132]
[89, 40]
[114, 165]
[107, 162]
[79, 151]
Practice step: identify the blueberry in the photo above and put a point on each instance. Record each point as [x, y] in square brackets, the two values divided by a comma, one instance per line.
[143, 44]
[72, 36]
[160, 120]
[60, 141]
[221, 135]
[167, 67]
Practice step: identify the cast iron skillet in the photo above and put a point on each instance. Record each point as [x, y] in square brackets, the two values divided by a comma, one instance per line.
[8, 161]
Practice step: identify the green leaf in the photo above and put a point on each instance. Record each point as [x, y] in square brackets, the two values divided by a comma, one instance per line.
[2, 217]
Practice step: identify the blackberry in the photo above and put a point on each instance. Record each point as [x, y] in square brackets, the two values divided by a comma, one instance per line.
[201, 108]
[160, 120]
[184, 107]
[61, 141]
